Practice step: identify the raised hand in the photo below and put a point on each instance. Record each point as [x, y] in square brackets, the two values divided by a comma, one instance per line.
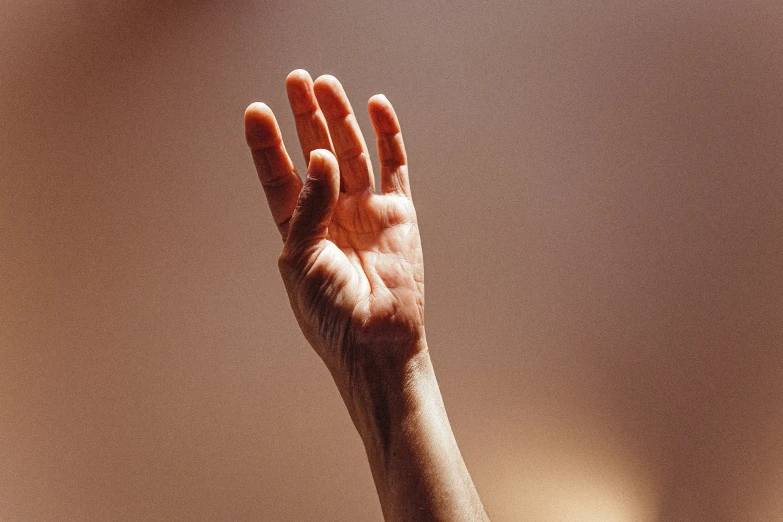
[352, 260]
[353, 269]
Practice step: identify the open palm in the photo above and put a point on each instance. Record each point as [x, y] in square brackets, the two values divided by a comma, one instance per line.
[352, 260]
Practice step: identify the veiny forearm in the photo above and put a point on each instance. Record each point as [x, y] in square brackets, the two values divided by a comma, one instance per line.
[418, 470]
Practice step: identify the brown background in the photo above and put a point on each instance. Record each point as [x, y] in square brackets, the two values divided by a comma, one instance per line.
[600, 191]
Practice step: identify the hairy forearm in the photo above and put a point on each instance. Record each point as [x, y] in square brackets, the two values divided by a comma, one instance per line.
[416, 464]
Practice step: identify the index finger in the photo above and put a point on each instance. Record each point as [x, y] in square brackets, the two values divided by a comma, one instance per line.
[275, 169]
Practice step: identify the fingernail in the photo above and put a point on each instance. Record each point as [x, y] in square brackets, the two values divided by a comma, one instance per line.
[315, 167]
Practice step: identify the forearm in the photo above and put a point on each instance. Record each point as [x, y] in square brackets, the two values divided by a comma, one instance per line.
[416, 464]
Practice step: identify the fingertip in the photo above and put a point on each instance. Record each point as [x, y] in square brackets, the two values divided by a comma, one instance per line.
[331, 96]
[327, 86]
[382, 114]
[298, 75]
[260, 125]
[378, 100]
[327, 81]
[321, 160]
[323, 167]
[378, 105]
[259, 114]
[299, 87]
[298, 84]
[257, 108]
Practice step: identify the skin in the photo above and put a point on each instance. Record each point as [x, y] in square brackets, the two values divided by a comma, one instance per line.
[353, 268]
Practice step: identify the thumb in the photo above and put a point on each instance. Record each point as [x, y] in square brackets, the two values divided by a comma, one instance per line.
[317, 198]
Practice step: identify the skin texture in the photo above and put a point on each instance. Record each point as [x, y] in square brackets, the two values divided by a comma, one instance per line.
[353, 268]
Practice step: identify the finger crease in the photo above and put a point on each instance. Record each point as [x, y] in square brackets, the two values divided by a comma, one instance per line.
[276, 180]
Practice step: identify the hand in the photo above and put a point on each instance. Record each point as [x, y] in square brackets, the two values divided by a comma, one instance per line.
[353, 269]
[352, 261]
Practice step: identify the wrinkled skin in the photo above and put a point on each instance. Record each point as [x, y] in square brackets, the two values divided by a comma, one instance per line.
[352, 261]
[353, 269]
[360, 288]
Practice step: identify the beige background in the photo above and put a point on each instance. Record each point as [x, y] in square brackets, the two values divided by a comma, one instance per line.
[600, 190]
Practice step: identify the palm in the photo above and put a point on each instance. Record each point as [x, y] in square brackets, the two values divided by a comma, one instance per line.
[352, 263]
[371, 262]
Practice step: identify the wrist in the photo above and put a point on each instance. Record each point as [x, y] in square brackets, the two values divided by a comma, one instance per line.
[415, 462]
[383, 394]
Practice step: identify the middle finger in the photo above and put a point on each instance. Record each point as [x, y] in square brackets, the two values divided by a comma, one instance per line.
[352, 155]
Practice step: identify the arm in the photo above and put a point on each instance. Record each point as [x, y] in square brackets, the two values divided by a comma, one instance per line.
[353, 269]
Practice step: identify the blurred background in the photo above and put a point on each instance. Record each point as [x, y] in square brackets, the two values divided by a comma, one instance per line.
[600, 192]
